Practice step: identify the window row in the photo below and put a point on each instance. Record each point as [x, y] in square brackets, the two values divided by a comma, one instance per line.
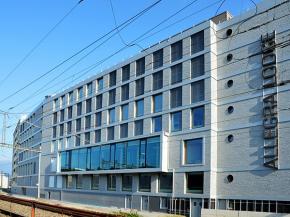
[194, 182]
[143, 153]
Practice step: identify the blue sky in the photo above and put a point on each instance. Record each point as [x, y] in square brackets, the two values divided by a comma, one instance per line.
[24, 23]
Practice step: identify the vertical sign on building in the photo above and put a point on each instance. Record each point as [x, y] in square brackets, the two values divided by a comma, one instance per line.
[270, 121]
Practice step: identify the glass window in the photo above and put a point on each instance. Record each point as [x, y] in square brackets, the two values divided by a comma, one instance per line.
[95, 182]
[95, 158]
[105, 157]
[112, 158]
[138, 127]
[80, 93]
[113, 77]
[88, 105]
[197, 42]
[176, 73]
[176, 51]
[195, 183]
[124, 130]
[87, 138]
[79, 108]
[54, 132]
[98, 119]
[111, 182]
[193, 151]
[70, 97]
[62, 115]
[99, 102]
[139, 108]
[157, 80]
[89, 88]
[140, 66]
[125, 112]
[176, 121]
[139, 87]
[157, 103]
[144, 183]
[69, 112]
[79, 181]
[126, 72]
[68, 127]
[125, 92]
[100, 83]
[127, 182]
[198, 117]
[197, 91]
[61, 127]
[153, 152]
[88, 122]
[78, 140]
[197, 66]
[176, 97]
[69, 181]
[165, 182]
[110, 135]
[157, 123]
[120, 156]
[55, 118]
[78, 124]
[112, 116]
[132, 156]
[158, 59]
[112, 97]
[97, 136]
[65, 161]
[79, 159]
[69, 142]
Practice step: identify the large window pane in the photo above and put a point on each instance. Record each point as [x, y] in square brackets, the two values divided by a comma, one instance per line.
[78, 124]
[95, 158]
[112, 97]
[111, 115]
[125, 112]
[193, 151]
[198, 117]
[79, 159]
[99, 102]
[126, 72]
[157, 103]
[125, 92]
[139, 108]
[165, 182]
[139, 89]
[110, 133]
[113, 77]
[142, 159]
[176, 51]
[140, 66]
[95, 182]
[124, 130]
[197, 66]
[197, 91]
[100, 82]
[111, 182]
[65, 161]
[176, 121]
[158, 80]
[153, 152]
[133, 154]
[176, 97]
[158, 59]
[97, 136]
[79, 108]
[55, 118]
[105, 157]
[157, 123]
[144, 183]
[98, 119]
[89, 89]
[127, 182]
[195, 183]
[120, 156]
[138, 127]
[197, 42]
[176, 73]
[88, 122]
[88, 105]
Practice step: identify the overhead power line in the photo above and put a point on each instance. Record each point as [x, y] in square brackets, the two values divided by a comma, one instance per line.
[29, 53]
[78, 52]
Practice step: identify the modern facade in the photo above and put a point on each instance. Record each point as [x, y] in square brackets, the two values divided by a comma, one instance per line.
[199, 120]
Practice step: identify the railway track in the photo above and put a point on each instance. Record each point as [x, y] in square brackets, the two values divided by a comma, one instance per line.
[15, 206]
